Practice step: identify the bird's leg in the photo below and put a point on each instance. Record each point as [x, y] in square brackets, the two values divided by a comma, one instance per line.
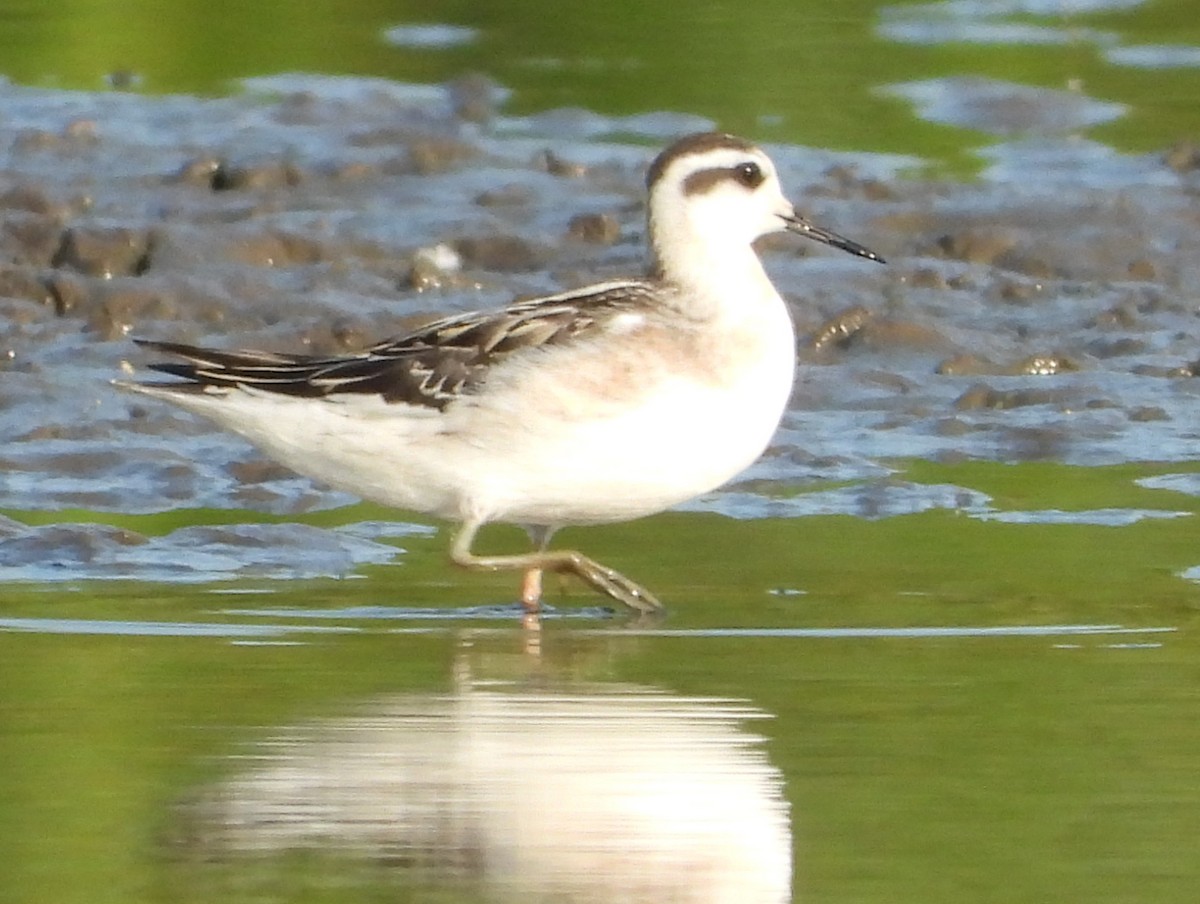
[531, 589]
[566, 561]
[531, 583]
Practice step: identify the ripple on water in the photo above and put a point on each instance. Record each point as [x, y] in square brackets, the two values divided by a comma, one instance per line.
[1114, 517]
[277, 629]
[1176, 483]
[1004, 108]
[871, 500]
[987, 22]
[434, 36]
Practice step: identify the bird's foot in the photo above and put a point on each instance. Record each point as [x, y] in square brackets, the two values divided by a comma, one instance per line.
[614, 584]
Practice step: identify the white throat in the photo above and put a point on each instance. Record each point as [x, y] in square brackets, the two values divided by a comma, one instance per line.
[722, 271]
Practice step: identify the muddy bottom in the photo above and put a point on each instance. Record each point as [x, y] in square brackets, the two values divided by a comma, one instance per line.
[1044, 311]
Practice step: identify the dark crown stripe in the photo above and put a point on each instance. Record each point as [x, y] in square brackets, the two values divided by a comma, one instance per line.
[700, 143]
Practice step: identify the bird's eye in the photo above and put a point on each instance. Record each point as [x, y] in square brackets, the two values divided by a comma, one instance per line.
[750, 174]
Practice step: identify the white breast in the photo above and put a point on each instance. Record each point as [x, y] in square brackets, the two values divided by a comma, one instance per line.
[690, 432]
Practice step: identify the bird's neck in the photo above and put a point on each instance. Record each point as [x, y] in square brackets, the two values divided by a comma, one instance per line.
[714, 276]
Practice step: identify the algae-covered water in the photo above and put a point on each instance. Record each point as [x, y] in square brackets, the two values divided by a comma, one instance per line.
[940, 644]
[1001, 703]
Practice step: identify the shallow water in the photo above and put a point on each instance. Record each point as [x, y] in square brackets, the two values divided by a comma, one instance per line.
[940, 644]
[947, 698]
[804, 72]
[460, 765]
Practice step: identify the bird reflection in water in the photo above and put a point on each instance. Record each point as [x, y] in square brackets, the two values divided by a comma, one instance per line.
[583, 793]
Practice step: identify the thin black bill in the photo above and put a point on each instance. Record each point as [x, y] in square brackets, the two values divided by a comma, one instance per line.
[801, 226]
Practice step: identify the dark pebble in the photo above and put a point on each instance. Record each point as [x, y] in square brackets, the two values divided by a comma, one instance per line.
[31, 199]
[104, 251]
[68, 293]
[1013, 291]
[981, 396]
[840, 330]
[501, 253]
[1182, 157]
[1116, 348]
[594, 228]
[115, 308]
[952, 426]
[966, 366]
[258, 470]
[30, 238]
[506, 196]
[475, 97]
[977, 246]
[32, 141]
[891, 332]
[429, 156]
[268, 175]
[1143, 270]
[1042, 366]
[926, 278]
[200, 171]
[558, 166]
[1120, 316]
[1147, 413]
[24, 283]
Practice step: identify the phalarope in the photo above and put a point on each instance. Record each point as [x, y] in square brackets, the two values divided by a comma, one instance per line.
[600, 404]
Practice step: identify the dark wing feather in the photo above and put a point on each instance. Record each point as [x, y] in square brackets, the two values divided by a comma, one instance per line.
[430, 366]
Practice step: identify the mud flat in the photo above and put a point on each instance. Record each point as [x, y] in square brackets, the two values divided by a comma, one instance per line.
[1046, 310]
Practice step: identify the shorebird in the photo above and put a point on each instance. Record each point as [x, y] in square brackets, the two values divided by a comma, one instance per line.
[600, 404]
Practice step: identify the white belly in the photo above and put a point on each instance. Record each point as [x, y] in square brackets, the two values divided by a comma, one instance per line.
[572, 438]
[685, 444]
[684, 437]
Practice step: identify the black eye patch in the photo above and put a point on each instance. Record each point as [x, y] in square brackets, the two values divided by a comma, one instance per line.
[748, 175]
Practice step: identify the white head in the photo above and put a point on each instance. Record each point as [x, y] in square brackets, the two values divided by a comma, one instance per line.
[712, 193]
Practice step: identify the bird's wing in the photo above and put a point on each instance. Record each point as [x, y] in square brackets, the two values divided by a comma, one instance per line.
[429, 367]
